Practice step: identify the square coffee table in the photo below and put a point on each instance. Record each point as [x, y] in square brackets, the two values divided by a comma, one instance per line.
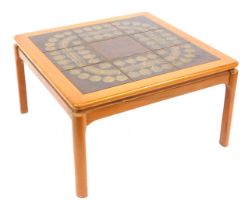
[105, 67]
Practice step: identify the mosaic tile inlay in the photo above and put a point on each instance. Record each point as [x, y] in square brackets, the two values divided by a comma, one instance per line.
[158, 39]
[142, 66]
[101, 56]
[135, 25]
[185, 55]
[98, 32]
[73, 57]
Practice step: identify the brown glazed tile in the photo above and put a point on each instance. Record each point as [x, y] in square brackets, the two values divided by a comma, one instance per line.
[158, 39]
[118, 47]
[143, 65]
[56, 41]
[98, 32]
[105, 55]
[185, 55]
[135, 25]
[96, 77]
[74, 57]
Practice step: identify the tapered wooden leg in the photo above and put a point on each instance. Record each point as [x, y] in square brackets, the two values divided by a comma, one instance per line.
[228, 108]
[79, 130]
[21, 82]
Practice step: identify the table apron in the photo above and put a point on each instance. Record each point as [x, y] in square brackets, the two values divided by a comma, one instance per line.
[155, 96]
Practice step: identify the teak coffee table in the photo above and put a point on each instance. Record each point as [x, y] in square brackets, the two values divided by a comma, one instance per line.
[101, 68]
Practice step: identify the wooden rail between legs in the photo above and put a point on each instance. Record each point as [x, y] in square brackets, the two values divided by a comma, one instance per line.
[152, 97]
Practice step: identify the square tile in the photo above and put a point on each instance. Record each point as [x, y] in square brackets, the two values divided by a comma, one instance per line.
[135, 25]
[143, 66]
[158, 39]
[96, 77]
[56, 41]
[98, 32]
[118, 47]
[185, 55]
[74, 57]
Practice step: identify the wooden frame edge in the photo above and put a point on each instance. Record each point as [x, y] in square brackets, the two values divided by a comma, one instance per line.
[155, 96]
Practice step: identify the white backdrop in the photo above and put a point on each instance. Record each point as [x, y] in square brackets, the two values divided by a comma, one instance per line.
[161, 156]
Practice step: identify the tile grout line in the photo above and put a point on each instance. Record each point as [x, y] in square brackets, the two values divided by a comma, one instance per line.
[118, 68]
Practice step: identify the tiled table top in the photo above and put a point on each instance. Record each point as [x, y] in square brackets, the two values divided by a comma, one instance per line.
[105, 55]
[101, 61]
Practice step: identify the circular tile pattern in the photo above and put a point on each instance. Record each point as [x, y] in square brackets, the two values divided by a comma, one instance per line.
[119, 63]
[166, 66]
[145, 71]
[95, 78]
[59, 35]
[105, 65]
[141, 58]
[83, 76]
[185, 60]
[52, 40]
[121, 78]
[178, 63]
[63, 62]
[68, 66]
[75, 71]
[96, 60]
[74, 57]
[108, 79]
[55, 53]
[189, 55]
[61, 40]
[68, 32]
[59, 57]
[79, 48]
[189, 50]
[157, 39]
[49, 44]
[152, 56]
[50, 48]
[89, 56]
[180, 55]
[97, 32]
[103, 72]
[156, 69]
[130, 60]
[134, 74]
[134, 25]
[144, 65]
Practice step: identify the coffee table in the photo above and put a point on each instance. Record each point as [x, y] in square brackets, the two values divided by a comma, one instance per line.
[97, 69]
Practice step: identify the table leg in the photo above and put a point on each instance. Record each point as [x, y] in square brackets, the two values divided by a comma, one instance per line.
[21, 82]
[228, 108]
[79, 130]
